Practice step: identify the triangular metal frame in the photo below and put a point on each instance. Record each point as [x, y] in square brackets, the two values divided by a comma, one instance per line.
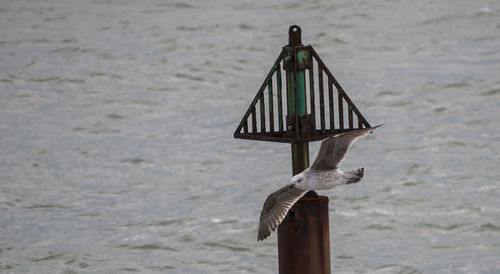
[266, 129]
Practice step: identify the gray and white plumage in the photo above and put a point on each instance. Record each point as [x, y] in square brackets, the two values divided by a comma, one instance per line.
[323, 174]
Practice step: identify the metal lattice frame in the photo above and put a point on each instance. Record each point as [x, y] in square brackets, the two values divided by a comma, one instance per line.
[274, 126]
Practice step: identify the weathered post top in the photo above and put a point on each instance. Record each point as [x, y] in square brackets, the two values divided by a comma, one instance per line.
[294, 36]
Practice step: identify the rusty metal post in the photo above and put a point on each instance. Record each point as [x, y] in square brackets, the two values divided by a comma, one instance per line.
[303, 237]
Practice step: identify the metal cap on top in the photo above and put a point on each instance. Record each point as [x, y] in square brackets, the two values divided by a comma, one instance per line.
[294, 36]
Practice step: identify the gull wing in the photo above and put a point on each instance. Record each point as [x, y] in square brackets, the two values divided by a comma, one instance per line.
[334, 148]
[276, 207]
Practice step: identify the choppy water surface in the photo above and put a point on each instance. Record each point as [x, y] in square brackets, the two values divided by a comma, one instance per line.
[116, 122]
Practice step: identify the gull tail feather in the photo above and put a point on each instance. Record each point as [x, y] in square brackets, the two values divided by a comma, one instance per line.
[354, 175]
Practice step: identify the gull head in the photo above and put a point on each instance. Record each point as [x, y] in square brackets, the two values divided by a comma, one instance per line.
[299, 181]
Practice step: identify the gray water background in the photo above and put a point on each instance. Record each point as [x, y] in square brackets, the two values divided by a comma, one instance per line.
[116, 123]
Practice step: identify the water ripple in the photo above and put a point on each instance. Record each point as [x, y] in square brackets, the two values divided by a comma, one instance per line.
[148, 247]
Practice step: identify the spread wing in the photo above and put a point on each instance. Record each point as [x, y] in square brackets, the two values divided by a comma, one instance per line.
[334, 148]
[276, 207]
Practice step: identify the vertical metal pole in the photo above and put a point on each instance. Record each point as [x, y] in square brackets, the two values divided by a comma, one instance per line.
[303, 237]
[297, 105]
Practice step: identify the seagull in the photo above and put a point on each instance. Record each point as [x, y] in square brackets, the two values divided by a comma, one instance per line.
[323, 174]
